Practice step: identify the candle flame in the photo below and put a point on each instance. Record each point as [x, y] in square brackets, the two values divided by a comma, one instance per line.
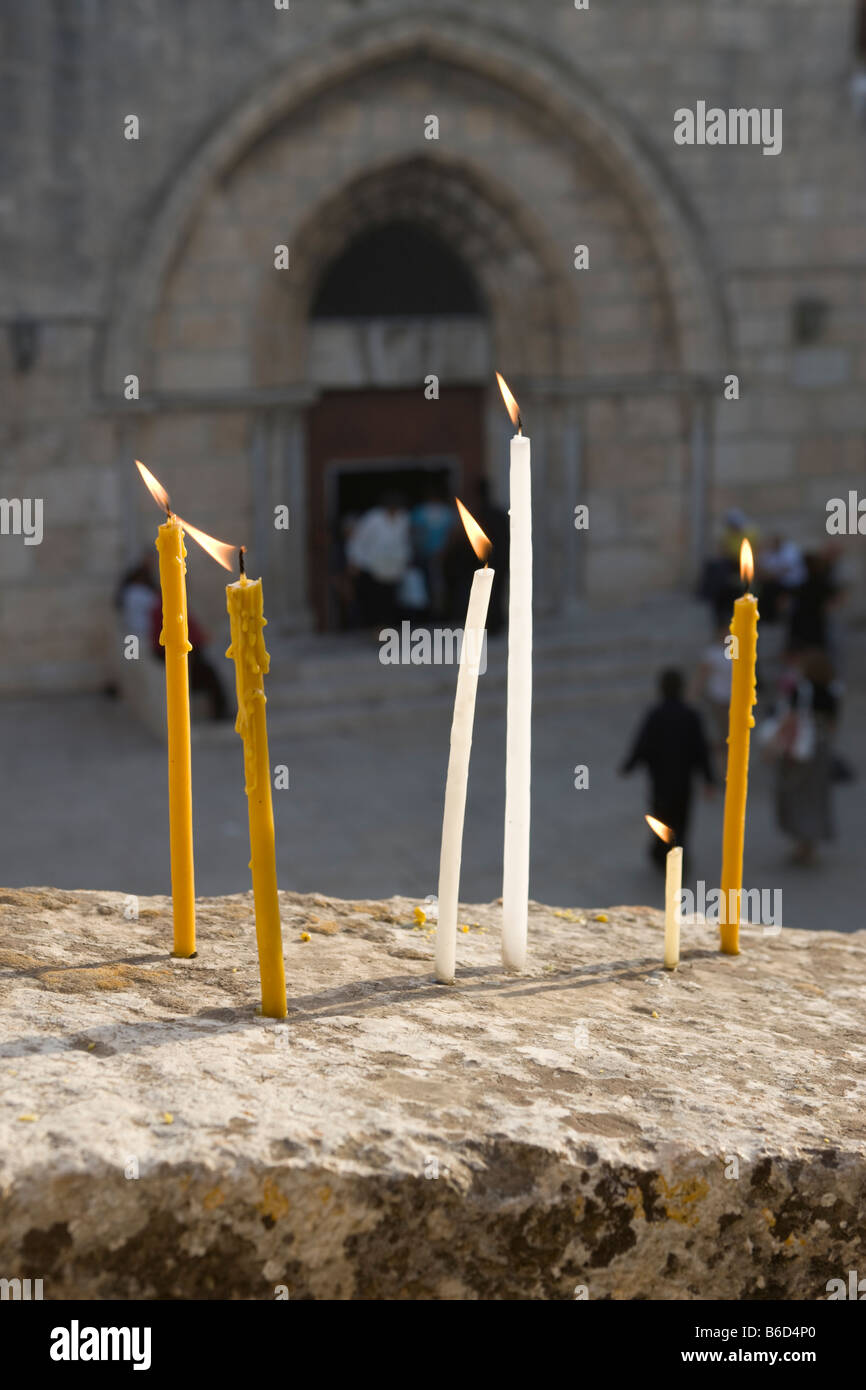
[154, 487]
[663, 831]
[747, 562]
[510, 403]
[481, 544]
[217, 550]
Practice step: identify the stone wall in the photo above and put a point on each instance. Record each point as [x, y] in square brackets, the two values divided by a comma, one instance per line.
[257, 127]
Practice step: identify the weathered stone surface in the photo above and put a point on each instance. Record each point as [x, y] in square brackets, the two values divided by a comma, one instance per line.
[583, 1119]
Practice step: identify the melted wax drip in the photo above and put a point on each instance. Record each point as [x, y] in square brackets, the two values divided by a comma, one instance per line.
[181, 640]
[252, 663]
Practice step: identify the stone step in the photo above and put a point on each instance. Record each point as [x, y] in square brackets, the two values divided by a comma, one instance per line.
[323, 683]
[375, 683]
[290, 722]
[347, 659]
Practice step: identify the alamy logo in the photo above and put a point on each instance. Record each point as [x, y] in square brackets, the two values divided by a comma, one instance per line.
[443, 646]
[739, 125]
[22, 516]
[856, 1288]
[756, 906]
[101, 1344]
[20, 1289]
[846, 517]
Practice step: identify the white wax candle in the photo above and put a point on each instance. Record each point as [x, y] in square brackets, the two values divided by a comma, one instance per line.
[458, 774]
[673, 886]
[515, 874]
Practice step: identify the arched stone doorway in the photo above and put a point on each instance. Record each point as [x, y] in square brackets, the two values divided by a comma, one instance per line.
[396, 308]
[529, 162]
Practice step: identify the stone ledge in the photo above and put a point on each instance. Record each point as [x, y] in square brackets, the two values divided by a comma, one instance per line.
[581, 1118]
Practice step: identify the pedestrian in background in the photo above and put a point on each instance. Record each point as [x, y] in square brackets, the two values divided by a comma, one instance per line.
[671, 745]
[379, 551]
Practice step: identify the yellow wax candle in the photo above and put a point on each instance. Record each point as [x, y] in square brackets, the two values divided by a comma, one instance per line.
[246, 615]
[741, 720]
[174, 637]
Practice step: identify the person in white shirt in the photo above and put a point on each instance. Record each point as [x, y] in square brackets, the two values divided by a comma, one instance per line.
[379, 552]
[711, 688]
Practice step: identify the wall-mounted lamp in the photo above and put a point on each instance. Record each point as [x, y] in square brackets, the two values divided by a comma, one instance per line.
[808, 319]
[23, 343]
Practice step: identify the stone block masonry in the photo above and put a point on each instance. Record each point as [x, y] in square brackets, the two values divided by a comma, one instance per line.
[595, 1128]
[154, 257]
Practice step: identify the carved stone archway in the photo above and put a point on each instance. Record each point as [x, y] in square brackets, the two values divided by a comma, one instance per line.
[504, 229]
[531, 72]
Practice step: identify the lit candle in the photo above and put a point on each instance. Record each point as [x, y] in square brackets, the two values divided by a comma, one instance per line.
[458, 758]
[247, 622]
[741, 721]
[515, 875]
[174, 637]
[247, 619]
[673, 890]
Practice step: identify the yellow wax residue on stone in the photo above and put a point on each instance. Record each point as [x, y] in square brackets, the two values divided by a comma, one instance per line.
[681, 1199]
[252, 663]
[634, 1197]
[274, 1203]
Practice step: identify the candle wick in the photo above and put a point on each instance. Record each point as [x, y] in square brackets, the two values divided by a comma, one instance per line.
[519, 424]
[241, 564]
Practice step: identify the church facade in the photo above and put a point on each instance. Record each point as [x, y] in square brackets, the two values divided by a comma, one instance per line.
[278, 252]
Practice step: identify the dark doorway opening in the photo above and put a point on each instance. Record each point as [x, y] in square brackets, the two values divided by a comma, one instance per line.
[354, 489]
[364, 444]
[393, 270]
[357, 487]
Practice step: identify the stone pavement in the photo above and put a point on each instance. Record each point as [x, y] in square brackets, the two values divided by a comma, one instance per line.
[86, 790]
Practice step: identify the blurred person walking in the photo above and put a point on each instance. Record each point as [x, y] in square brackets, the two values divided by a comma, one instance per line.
[798, 736]
[432, 522]
[720, 580]
[379, 551]
[808, 625]
[203, 677]
[671, 745]
[711, 688]
[781, 570]
[136, 598]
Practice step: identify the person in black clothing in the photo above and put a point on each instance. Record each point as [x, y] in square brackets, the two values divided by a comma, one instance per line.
[672, 746]
[808, 619]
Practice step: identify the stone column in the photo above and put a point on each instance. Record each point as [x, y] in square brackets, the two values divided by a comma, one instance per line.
[131, 540]
[288, 487]
[552, 423]
[261, 556]
[574, 559]
[701, 449]
[534, 411]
